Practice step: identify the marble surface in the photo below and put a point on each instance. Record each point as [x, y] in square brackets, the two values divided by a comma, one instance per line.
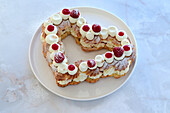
[147, 91]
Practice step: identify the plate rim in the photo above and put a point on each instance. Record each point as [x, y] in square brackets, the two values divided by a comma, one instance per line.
[84, 99]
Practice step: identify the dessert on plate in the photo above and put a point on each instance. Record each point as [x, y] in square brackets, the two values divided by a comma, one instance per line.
[114, 63]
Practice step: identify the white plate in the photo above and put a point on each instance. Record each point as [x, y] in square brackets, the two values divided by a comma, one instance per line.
[82, 91]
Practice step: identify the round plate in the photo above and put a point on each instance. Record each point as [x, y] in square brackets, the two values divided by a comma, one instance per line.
[84, 90]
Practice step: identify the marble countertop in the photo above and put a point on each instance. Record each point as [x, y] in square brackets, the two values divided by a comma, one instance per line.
[147, 91]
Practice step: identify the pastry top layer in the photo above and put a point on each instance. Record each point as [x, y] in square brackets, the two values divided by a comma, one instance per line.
[90, 37]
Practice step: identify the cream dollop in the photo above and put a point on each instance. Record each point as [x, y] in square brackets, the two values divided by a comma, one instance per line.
[64, 82]
[73, 20]
[52, 50]
[81, 21]
[63, 68]
[83, 66]
[73, 72]
[56, 19]
[104, 33]
[47, 22]
[99, 60]
[51, 32]
[51, 38]
[120, 38]
[109, 60]
[89, 35]
[125, 42]
[112, 30]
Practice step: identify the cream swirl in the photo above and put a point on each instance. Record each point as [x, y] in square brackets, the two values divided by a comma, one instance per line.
[51, 38]
[56, 19]
[125, 42]
[104, 33]
[127, 50]
[63, 68]
[84, 29]
[81, 21]
[112, 30]
[73, 20]
[66, 15]
[81, 77]
[99, 60]
[89, 35]
[83, 66]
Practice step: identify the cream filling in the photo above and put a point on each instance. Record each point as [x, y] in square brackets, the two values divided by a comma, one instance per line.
[120, 38]
[112, 30]
[81, 77]
[56, 19]
[73, 20]
[95, 77]
[122, 72]
[51, 38]
[51, 32]
[64, 82]
[81, 21]
[109, 71]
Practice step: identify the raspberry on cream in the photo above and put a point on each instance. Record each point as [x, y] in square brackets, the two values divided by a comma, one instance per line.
[59, 58]
[74, 15]
[56, 19]
[51, 29]
[72, 69]
[65, 13]
[63, 68]
[54, 47]
[127, 50]
[125, 42]
[118, 53]
[108, 56]
[104, 33]
[99, 60]
[121, 35]
[84, 29]
[83, 66]
[112, 31]
[81, 21]
[51, 38]
[91, 64]
[96, 28]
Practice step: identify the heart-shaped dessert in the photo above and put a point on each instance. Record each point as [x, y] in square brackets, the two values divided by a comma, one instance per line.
[115, 62]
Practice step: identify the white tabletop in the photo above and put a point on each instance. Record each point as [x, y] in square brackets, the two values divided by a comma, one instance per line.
[147, 91]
